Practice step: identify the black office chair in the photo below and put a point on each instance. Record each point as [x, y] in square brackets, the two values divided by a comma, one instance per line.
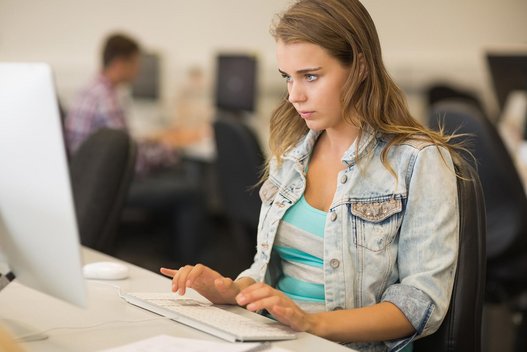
[101, 171]
[461, 328]
[239, 164]
[506, 205]
[443, 91]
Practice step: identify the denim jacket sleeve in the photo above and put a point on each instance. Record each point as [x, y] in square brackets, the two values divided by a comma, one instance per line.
[428, 244]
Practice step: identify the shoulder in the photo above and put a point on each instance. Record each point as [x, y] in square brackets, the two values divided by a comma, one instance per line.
[413, 147]
[417, 142]
[417, 151]
[95, 91]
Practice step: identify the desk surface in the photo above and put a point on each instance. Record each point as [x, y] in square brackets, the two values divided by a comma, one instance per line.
[110, 320]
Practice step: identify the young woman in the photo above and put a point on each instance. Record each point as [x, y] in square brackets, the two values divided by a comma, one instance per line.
[358, 233]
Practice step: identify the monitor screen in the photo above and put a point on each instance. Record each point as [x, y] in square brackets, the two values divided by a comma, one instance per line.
[509, 73]
[236, 82]
[38, 227]
[147, 83]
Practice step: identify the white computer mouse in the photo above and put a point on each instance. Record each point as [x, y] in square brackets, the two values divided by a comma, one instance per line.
[105, 271]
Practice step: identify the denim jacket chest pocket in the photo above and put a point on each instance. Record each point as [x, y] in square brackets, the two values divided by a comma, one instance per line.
[376, 221]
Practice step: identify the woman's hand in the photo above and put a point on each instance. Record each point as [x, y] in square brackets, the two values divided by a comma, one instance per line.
[209, 283]
[261, 296]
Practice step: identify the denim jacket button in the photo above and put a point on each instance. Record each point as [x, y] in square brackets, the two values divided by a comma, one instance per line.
[343, 179]
[333, 216]
[334, 263]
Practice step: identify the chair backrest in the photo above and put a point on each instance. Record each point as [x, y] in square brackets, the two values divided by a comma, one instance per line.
[461, 328]
[239, 163]
[101, 171]
[505, 199]
[440, 92]
[506, 203]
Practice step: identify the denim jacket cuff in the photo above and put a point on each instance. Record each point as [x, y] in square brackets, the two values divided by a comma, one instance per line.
[415, 305]
[248, 273]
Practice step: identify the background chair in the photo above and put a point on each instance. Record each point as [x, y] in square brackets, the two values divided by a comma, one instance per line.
[461, 328]
[443, 91]
[506, 206]
[239, 164]
[101, 171]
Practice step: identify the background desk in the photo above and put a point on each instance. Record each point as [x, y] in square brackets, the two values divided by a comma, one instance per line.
[105, 306]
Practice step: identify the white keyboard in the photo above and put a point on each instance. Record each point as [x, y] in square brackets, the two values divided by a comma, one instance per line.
[209, 319]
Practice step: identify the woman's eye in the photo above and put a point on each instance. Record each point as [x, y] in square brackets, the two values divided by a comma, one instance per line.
[286, 77]
[310, 77]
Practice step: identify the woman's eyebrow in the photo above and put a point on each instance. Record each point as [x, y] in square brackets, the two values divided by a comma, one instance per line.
[304, 70]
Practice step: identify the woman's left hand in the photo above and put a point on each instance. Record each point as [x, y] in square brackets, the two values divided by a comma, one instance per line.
[261, 296]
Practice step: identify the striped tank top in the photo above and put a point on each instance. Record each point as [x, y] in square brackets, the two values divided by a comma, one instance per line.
[300, 245]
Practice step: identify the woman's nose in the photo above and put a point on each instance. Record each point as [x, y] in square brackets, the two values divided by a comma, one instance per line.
[296, 93]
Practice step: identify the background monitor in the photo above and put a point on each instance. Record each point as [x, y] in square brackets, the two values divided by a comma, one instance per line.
[236, 82]
[38, 228]
[147, 83]
[509, 73]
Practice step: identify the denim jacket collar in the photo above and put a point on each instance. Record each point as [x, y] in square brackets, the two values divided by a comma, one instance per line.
[303, 149]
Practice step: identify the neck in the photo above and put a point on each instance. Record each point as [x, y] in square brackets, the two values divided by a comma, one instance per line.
[338, 140]
[112, 76]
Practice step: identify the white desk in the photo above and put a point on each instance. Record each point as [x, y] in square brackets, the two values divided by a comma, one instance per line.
[104, 306]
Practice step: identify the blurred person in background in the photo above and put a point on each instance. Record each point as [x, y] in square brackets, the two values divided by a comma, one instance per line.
[98, 106]
[162, 183]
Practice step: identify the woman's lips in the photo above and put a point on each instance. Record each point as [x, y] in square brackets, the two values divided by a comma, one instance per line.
[306, 114]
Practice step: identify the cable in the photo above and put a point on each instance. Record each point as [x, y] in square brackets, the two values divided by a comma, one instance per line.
[109, 285]
[28, 337]
[35, 336]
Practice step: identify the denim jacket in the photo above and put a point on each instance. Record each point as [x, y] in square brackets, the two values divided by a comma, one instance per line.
[385, 239]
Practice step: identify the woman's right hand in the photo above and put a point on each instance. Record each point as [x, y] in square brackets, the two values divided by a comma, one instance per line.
[209, 283]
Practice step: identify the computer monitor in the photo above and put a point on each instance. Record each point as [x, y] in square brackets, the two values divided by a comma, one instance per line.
[509, 73]
[146, 84]
[236, 82]
[38, 228]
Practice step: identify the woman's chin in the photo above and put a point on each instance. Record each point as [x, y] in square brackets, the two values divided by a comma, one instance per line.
[313, 125]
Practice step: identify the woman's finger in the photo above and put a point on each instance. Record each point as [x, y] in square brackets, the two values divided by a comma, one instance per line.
[265, 303]
[196, 271]
[181, 278]
[168, 272]
[252, 294]
[254, 287]
[223, 284]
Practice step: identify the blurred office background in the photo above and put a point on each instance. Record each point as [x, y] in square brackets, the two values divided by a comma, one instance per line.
[422, 42]
[425, 43]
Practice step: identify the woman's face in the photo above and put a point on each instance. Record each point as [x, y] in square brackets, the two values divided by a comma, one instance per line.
[314, 82]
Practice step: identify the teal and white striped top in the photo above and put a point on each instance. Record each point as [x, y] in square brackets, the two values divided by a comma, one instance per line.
[300, 245]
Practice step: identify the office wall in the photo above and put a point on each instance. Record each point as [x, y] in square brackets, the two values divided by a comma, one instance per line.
[422, 40]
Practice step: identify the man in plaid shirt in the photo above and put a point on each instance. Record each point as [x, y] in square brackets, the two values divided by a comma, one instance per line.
[98, 106]
[164, 185]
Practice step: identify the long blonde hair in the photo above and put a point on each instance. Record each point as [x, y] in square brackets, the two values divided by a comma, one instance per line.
[346, 31]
